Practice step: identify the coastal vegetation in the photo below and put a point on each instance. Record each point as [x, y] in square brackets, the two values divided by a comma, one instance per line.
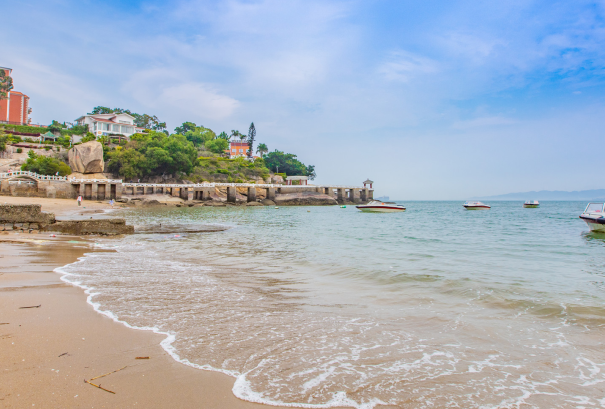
[288, 163]
[45, 165]
[193, 152]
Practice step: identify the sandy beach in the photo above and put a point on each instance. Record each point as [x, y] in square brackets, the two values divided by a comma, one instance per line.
[49, 350]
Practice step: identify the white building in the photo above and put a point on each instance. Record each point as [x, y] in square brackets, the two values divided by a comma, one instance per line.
[107, 124]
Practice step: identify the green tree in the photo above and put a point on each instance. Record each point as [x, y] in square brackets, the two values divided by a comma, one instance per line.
[262, 149]
[45, 165]
[89, 137]
[288, 163]
[217, 145]
[251, 137]
[185, 127]
[6, 84]
[223, 135]
[153, 153]
[3, 141]
[56, 126]
[101, 110]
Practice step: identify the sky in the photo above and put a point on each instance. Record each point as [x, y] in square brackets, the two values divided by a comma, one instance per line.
[430, 99]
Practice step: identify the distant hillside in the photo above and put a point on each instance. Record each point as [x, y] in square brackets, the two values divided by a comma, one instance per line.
[588, 195]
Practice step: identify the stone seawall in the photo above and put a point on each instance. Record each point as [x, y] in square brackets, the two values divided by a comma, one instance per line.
[25, 214]
[30, 218]
[98, 226]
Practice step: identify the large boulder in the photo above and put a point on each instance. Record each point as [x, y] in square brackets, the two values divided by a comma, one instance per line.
[87, 158]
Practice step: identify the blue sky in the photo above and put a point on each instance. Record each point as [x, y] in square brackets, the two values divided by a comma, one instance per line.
[431, 99]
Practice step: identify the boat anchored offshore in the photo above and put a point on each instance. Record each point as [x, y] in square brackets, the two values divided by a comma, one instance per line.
[531, 204]
[381, 207]
[594, 216]
[475, 206]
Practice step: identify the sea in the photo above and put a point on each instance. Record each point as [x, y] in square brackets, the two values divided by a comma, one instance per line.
[318, 307]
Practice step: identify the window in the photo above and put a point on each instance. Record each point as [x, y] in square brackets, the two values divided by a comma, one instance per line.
[124, 122]
[105, 127]
[126, 129]
[116, 128]
[95, 126]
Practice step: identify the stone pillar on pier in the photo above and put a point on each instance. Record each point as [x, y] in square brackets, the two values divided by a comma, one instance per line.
[341, 194]
[82, 190]
[329, 191]
[231, 192]
[205, 194]
[271, 193]
[251, 194]
[119, 190]
[354, 195]
[364, 195]
[370, 195]
[94, 191]
[190, 193]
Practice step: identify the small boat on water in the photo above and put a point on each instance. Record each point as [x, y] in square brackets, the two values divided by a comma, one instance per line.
[531, 204]
[594, 216]
[381, 207]
[475, 206]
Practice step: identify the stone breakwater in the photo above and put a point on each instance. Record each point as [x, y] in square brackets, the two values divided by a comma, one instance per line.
[30, 218]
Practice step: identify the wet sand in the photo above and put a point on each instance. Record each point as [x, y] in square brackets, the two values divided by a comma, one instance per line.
[48, 352]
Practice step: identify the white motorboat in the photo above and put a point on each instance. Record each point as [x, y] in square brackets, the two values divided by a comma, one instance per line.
[475, 206]
[531, 204]
[381, 207]
[594, 216]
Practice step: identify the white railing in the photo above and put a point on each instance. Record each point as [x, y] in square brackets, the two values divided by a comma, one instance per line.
[33, 175]
[102, 181]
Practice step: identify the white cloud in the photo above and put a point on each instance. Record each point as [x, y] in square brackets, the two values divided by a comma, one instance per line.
[198, 100]
[403, 66]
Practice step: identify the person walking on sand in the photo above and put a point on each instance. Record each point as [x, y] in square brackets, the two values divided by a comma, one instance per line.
[79, 199]
[111, 202]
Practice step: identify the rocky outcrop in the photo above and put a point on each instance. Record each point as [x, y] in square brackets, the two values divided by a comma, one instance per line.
[87, 158]
[304, 199]
[277, 179]
[268, 202]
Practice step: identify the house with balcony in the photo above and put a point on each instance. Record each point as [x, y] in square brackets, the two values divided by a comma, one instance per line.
[116, 125]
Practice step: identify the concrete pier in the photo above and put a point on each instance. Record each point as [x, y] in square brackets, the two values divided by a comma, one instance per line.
[231, 194]
[271, 193]
[251, 194]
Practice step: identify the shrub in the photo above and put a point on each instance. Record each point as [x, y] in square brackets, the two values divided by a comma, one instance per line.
[223, 171]
[47, 148]
[19, 150]
[45, 165]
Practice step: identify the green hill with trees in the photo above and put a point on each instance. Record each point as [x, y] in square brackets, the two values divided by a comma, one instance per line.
[192, 152]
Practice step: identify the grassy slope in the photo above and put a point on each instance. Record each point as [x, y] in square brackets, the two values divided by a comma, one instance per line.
[213, 169]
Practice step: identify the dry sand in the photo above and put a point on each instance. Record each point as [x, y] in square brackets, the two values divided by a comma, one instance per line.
[47, 352]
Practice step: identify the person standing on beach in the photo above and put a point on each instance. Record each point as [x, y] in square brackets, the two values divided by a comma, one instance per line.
[79, 199]
[111, 202]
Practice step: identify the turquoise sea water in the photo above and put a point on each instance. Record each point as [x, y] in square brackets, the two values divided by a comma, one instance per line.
[324, 306]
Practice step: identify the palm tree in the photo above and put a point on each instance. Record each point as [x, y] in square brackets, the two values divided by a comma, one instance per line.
[238, 134]
[262, 149]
